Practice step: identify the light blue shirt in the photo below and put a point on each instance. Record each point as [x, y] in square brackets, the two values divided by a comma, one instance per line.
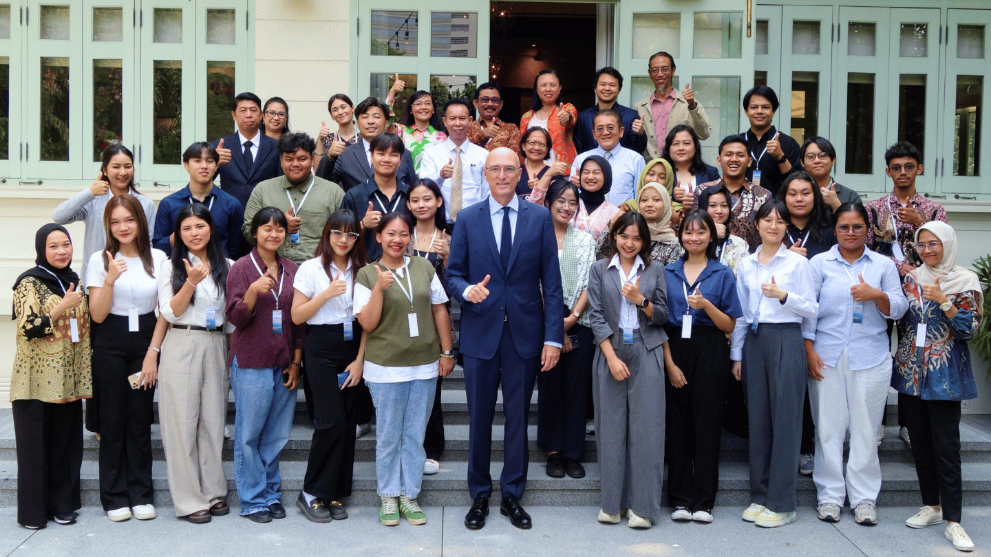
[834, 330]
[495, 212]
[626, 166]
[474, 188]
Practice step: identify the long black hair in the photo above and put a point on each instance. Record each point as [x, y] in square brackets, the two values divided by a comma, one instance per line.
[440, 217]
[407, 116]
[820, 221]
[697, 165]
[537, 104]
[214, 251]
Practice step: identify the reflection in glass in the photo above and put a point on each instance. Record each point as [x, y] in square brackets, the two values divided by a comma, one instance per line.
[804, 105]
[656, 32]
[4, 107]
[454, 35]
[805, 37]
[859, 154]
[54, 109]
[55, 23]
[913, 40]
[760, 78]
[219, 98]
[4, 21]
[108, 105]
[167, 97]
[394, 33]
[718, 34]
[168, 25]
[762, 37]
[721, 98]
[861, 38]
[380, 83]
[967, 126]
[108, 24]
[220, 27]
[970, 41]
[912, 110]
[446, 87]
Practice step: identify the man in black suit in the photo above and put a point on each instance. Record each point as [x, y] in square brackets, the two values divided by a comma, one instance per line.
[247, 156]
[354, 166]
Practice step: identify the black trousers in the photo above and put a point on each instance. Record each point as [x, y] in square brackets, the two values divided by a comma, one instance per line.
[934, 428]
[562, 396]
[49, 454]
[330, 468]
[808, 429]
[433, 439]
[125, 413]
[694, 417]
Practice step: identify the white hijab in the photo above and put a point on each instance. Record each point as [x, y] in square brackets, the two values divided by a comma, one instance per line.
[953, 279]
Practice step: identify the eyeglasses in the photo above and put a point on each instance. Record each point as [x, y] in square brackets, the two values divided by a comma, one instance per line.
[856, 228]
[421, 104]
[274, 114]
[910, 167]
[489, 100]
[336, 235]
[655, 70]
[930, 246]
[603, 129]
[502, 169]
[813, 156]
[540, 144]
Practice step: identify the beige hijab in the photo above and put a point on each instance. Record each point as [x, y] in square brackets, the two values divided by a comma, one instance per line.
[953, 279]
[660, 229]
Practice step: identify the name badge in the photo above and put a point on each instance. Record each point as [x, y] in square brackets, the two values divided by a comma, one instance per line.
[341, 378]
[755, 323]
[348, 330]
[277, 321]
[414, 330]
[686, 326]
[74, 330]
[132, 320]
[294, 238]
[627, 336]
[858, 312]
[756, 180]
[920, 335]
[211, 318]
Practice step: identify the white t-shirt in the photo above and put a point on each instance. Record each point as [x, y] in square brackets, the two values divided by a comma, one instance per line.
[311, 279]
[134, 287]
[535, 122]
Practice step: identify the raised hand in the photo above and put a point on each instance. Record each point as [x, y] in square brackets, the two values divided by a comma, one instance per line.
[324, 132]
[637, 125]
[771, 290]
[224, 154]
[72, 298]
[338, 287]
[774, 147]
[448, 170]
[934, 293]
[263, 285]
[100, 186]
[336, 148]
[559, 169]
[689, 96]
[910, 215]
[697, 300]
[196, 274]
[687, 198]
[383, 279]
[372, 217]
[440, 245]
[479, 292]
[830, 198]
[863, 292]
[115, 268]
[631, 291]
[491, 130]
[720, 230]
[397, 87]
[563, 115]
[797, 248]
[293, 221]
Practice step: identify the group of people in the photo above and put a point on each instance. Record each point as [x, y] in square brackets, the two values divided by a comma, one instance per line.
[617, 261]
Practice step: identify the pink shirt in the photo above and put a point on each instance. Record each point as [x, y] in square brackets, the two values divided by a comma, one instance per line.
[661, 111]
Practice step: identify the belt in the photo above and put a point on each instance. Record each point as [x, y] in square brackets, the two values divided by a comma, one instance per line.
[197, 328]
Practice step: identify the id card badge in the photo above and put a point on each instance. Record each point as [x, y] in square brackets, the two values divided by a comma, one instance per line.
[348, 330]
[414, 330]
[920, 335]
[627, 336]
[211, 318]
[132, 320]
[74, 330]
[294, 238]
[858, 312]
[755, 323]
[756, 180]
[277, 321]
[686, 326]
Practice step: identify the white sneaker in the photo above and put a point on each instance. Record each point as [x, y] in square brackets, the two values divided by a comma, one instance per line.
[927, 516]
[227, 432]
[829, 512]
[903, 433]
[865, 514]
[771, 519]
[955, 533]
[702, 516]
[880, 434]
[608, 518]
[752, 512]
[361, 430]
[143, 512]
[119, 515]
[638, 521]
[681, 513]
[430, 467]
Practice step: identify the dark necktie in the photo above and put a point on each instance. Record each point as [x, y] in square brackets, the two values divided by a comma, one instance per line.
[506, 245]
[248, 161]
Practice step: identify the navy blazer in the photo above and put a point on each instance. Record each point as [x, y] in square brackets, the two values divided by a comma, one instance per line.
[235, 179]
[710, 174]
[514, 293]
[352, 168]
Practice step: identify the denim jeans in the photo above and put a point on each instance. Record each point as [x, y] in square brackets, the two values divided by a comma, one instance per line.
[401, 413]
[261, 428]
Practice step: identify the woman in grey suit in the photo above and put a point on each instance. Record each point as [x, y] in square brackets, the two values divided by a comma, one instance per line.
[628, 303]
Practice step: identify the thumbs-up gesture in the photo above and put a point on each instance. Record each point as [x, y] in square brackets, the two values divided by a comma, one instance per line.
[563, 115]
[774, 147]
[448, 169]
[372, 217]
[631, 291]
[397, 87]
[697, 300]
[440, 245]
[223, 153]
[71, 299]
[338, 287]
[115, 268]
[478, 293]
[689, 96]
[797, 248]
[687, 196]
[324, 132]
[934, 292]
[771, 290]
[637, 125]
[293, 221]
[863, 292]
[491, 130]
[263, 285]
[100, 185]
[559, 168]
[383, 279]
[195, 273]
[720, 230]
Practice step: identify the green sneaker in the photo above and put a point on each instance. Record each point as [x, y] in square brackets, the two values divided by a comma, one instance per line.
[411, 510]
[389, 514]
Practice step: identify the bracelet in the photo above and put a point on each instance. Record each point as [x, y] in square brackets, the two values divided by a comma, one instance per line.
[451, 356]
[295, 364]
[190, 282]
[159, 350]
[576, 315]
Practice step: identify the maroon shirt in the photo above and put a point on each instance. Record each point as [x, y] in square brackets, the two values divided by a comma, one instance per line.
[253, 341]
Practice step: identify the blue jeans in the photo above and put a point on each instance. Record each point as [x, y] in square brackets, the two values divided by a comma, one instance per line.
[261, 428]
[401, 413]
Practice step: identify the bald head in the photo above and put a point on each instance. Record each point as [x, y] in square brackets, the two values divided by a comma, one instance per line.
[502, 172]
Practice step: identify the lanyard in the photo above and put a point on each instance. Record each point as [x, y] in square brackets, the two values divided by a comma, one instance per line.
[804, 240]
[208, 207]
[379, 196]
[755, 157]
[852, 279]
[58, 280]
[738, 199]
[345, 300]
[309, 188]
[409, 282]
[684, 287]
[282, 277]
[416, 243]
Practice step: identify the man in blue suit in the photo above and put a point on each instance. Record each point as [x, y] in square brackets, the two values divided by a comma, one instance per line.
[247, 156]
[503, 269]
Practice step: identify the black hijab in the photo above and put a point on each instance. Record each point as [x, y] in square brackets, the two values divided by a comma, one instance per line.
[44, 270]
[592, 199]
[704, 204]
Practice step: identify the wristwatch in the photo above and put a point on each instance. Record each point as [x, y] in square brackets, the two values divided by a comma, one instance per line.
[945, 306]
[644, 303]
[449, 353]
[782, 159]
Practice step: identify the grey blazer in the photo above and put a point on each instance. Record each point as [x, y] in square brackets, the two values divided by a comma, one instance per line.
[604, 300]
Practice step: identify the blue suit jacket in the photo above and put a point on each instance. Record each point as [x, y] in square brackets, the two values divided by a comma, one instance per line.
[235, 179]
[352, 168]
[585, 140]
[514, 292]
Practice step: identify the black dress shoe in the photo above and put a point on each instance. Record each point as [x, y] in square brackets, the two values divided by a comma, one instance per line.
[511, 507]
[475, 519]
[574, 468]
[555, 465]
[277, 510]
[260, 517]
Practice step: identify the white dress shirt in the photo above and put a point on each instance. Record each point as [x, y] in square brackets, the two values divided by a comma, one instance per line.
[134, 288]
[207, 295]
[495, 213]
[255, 141]
[626, 166]
[368, 150]
[474, 188]
[792, 273]
[311, 279]
[628, 318]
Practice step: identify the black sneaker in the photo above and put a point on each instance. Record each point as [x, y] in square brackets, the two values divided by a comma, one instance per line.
[277, 510]
[260, 517]
[65, 518]
[315, 511]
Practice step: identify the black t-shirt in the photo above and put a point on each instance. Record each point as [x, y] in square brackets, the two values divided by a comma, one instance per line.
[770, 173]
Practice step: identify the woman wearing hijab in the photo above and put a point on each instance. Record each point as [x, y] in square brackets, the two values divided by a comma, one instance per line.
[595, 213]
[933, 373]
[51, 376]
[654, 203]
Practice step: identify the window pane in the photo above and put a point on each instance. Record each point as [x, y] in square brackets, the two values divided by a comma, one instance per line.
[394, 33]
[220, 27]
[380, 83]
[970, 41]
[4, 107]
[55, 23]
[762, 37]
[912, 110]
[861, 39]
[913, 40]
[108, 106]
[805, 37]
[168, 112]
[4, 21]
[967, 126]
[804, 105]
[54, 109]
[859, 123]
[760, 78]
[718, 35]
[454, 35]
[168, 25]
[656, 32]
[219, 98]
[446, 87]
[721, 98]
[108, 24]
